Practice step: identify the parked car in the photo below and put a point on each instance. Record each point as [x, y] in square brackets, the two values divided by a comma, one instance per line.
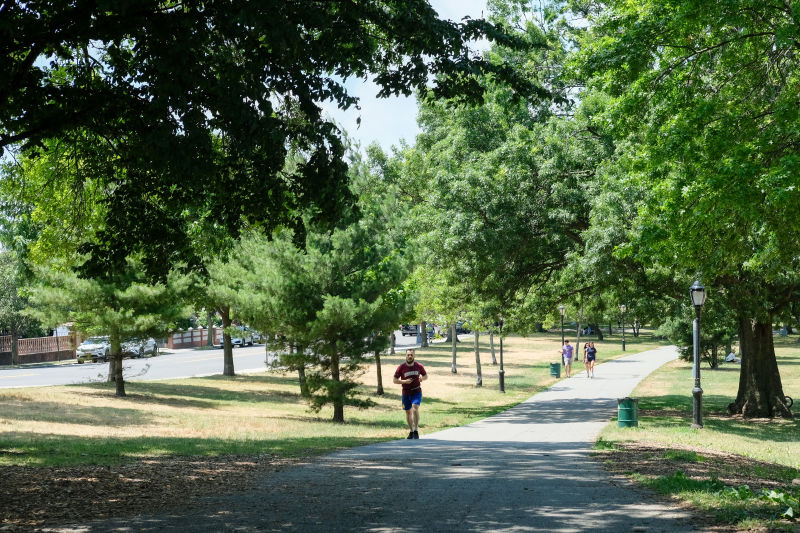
[139, 347]
[242, 338]
[94, 349]
[462, 328]
[409, 329]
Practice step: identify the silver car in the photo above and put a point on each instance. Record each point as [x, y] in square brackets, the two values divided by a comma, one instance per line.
[241, 338]
[94, 349]
[139, 347]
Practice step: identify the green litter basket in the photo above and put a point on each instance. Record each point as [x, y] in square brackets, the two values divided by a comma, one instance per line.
[555, 370]
[628, 412]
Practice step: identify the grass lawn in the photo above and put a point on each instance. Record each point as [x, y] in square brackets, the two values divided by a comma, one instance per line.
[739, 471]
[262, 413]
[178, 440]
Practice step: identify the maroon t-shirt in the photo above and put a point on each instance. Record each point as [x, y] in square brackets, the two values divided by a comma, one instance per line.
[414, 372]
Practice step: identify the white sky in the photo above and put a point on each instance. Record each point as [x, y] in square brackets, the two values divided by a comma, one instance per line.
[387, 120]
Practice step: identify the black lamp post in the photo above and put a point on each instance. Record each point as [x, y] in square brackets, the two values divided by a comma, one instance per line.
[622, 308]
[698, 294]
[502, 372]
[562, 309]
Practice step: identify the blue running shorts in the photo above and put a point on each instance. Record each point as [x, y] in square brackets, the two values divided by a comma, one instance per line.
[410, 399]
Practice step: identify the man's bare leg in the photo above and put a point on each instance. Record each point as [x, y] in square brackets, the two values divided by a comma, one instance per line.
[414, 417]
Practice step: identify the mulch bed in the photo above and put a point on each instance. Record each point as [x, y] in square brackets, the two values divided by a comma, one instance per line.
[33, 497]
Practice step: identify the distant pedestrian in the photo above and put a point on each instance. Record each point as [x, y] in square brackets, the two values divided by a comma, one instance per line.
[585, 359]
[410, 375]
[567, 352]
[591, 359]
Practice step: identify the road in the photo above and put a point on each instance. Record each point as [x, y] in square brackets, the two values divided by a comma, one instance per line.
[170, 364]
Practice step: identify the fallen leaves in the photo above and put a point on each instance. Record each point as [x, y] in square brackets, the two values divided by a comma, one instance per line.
[36, 496]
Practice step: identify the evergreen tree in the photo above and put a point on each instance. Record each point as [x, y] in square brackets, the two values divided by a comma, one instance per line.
[127, 306]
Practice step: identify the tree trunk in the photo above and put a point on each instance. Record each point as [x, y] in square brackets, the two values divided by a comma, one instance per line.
[14, 348]
[423, 328]
[391, 343]
[491, 345]
[116, 356]
[636, 327]
[479, 380]
[301, 377]
[301, 368]
[714, 360]
[596, 329]
[760, 390]
[227, 352]
[338, 401]
[578, 332]
[455, 339]
[609, 329]
[451, 334]
[210, 333]
[380, 374]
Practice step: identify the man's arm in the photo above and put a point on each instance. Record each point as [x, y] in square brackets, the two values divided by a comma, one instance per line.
[400, 381]
[423, 377]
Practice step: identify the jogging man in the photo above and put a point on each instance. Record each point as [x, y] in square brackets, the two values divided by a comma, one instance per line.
[410, 374]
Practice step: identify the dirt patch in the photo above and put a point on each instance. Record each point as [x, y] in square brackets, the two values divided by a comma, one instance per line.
[657, 459]
[33, 497]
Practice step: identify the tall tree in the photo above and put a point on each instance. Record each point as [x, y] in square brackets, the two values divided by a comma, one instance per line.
[501, 209]
[128, 306]
[335, 298]
[13, 320]
[702, 102]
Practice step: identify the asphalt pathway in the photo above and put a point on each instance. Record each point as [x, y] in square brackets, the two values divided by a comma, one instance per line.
[526, 469]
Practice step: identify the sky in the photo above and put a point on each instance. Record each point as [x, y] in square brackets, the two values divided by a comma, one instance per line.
[387, 120]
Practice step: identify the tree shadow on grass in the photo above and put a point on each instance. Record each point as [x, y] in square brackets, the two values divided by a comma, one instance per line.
[674, 411]
[203, 396]
[91, 415]
[51, 449]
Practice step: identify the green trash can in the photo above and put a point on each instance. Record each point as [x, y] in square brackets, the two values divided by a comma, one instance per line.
[628, 412]
[555, 370]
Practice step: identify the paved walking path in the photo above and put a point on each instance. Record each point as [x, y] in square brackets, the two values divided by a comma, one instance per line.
[522, 470]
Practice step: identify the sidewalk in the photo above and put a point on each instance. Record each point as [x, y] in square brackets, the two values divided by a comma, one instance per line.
[526, 469]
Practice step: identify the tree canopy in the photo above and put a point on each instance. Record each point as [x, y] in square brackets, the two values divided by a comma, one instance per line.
[703, 107]
[186, 111]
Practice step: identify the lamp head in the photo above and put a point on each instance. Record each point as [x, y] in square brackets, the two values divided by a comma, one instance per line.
[561, 309]
[698, 293]
[622, 307]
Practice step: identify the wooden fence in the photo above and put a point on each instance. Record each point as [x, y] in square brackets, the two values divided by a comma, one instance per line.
[191, 337]
[38, 349]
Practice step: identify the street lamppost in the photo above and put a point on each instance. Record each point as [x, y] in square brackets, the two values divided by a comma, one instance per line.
[622, 308]
[562, 309]
[502, 372]
[698, 294]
